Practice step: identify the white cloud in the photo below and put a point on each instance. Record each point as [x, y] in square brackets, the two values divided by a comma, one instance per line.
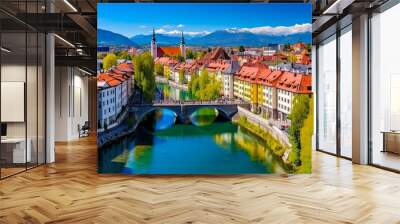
[167, 26]
[180, 26]
[178, 32]
[275, 31]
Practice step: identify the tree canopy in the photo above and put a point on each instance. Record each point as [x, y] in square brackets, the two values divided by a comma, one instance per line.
[159, 69]
[144, 75]
[300, 110]
[109, 60]
[181, 76]
[205, 86]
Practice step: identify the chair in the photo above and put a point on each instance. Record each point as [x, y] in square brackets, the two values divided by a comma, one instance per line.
[84, 130]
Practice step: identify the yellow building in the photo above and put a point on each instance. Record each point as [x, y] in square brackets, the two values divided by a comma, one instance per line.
[246, 85]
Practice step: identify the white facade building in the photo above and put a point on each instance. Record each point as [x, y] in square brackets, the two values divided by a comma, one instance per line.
[284, 103]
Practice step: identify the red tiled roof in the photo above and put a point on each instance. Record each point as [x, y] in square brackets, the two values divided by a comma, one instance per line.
[305, 60]
[168, 51]
[125, 67]
[217, 53]
[111, 78]
[111, 81]
[218, 65]
[296, 83]
[252, 71]
[165, 61]
[273, 78]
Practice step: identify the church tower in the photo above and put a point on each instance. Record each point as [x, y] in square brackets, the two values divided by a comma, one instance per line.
[183, 50]
[154, 45]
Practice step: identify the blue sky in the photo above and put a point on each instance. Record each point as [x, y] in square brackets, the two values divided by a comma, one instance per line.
[131, 19]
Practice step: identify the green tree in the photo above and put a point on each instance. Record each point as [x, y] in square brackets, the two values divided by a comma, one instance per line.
[181, 76]
[241, 48]
[167, 73]
[109, 61]
[204, 78]
[144, 75]
[200, 54]
[204, 86]
[159, 69]
[300, 110]
[190, 54]
[193, 83]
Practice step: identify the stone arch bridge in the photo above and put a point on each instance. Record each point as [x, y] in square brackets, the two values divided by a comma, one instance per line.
[184, 109]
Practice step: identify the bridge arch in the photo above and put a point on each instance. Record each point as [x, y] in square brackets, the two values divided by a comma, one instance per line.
[149, 110]
[221, 112]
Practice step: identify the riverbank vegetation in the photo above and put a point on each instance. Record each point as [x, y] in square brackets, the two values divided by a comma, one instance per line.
[300, 132]
[306, 133]
[144, 76]
[276, 147]
[204, 86]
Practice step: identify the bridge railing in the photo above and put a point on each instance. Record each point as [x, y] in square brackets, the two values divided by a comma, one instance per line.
[199, 102]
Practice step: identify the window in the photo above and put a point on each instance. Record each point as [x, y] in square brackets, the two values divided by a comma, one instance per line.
[385, 89]
[23, 75]
[326, 105]
[346, 92]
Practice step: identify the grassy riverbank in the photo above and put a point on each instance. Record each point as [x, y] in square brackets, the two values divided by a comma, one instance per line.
[305, 139]
[276, 147]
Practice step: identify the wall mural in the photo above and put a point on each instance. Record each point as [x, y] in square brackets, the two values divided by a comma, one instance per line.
[204, 88]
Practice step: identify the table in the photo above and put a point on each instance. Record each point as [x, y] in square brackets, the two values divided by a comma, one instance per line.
[16, 148]
[391, 141]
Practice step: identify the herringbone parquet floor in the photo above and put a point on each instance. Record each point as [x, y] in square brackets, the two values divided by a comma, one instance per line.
[70, 191]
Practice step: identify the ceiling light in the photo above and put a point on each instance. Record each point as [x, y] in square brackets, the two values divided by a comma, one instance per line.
[86, 72]
[337, 7]
[70, 5]
[5, 50]
[64, 40]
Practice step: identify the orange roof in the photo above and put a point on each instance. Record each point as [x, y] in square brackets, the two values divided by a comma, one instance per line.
[217, 53]
[305, 60]
[165, 61]
[218, 65]
[112, 79]
[296, 83]
[273, 78]
[125, 67]
[252, 71]
[168, 51]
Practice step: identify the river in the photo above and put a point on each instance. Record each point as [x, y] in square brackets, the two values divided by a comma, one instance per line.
[208, 145]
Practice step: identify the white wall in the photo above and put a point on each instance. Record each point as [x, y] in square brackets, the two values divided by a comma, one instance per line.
[71, 102]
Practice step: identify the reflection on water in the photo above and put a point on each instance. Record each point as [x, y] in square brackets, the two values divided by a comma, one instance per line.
[164, 119]
[171, 93]
[216, 148]
[204, 116]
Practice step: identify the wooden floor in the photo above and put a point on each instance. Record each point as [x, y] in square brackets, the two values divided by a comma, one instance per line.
[70, 191]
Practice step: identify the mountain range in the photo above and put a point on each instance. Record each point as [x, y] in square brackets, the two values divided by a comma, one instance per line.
[217, 38]
[105, 37]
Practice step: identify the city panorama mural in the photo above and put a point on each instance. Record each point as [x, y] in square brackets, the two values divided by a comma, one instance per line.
[204, 88]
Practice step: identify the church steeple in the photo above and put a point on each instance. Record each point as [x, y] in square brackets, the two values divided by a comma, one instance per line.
[182, 39]
[154, 36]
[183, 48]
[153, 45]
